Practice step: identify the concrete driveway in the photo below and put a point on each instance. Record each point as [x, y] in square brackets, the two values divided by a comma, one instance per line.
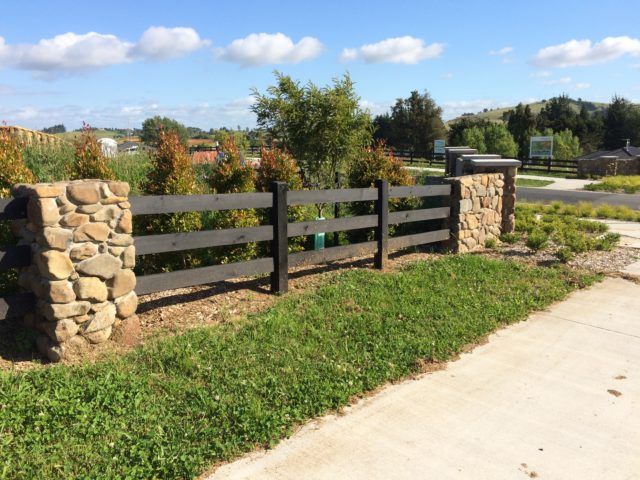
[555, 397]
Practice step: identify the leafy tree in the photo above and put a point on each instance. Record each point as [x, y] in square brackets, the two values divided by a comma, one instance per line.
[457, 128]
[498, 140]
[474, 138]
[89, 160]
[323, 127]
[622, 121]
[60, 128]
[152, 127]
[566, 145]
[415, 122]
[522, 125]
[557, 114]
[12, 167]
[589, 129]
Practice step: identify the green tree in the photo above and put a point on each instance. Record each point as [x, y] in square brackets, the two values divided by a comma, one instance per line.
[60, 128]
[414, 123]
[152, 127]
[498, 140]
[323, 127]
[566, 146]
[457, 128]
[622, 121]
[522, 125]
[474, 138]
[589, 129]
[558, 114]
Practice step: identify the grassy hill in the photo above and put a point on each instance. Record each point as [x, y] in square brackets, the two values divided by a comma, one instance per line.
[117, 134]
[496, 115]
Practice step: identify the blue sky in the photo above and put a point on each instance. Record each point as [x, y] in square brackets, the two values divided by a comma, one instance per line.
[121, 62]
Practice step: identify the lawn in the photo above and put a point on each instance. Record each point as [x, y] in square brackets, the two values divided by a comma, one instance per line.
[618, 184]
[531, 182]
[176, 406]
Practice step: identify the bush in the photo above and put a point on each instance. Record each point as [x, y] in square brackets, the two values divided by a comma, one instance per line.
[607, 241]
[372, 164]
[171, 174]
[564, 254]
[12, 167]
[491, 243]
[279, 166]
[509, 238]
[620, 183]
[537, 240]
[89, 160]
[133, 168]
[50, 162]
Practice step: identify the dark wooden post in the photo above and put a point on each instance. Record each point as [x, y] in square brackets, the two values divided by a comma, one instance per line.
[382, 231]
[336, 211]
[279, 244]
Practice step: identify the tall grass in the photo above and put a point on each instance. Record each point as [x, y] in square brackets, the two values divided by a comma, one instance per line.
[132, 168]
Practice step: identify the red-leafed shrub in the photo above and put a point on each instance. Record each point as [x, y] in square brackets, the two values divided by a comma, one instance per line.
[89, 160]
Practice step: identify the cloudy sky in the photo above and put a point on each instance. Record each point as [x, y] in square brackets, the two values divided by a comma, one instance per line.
[68, 62]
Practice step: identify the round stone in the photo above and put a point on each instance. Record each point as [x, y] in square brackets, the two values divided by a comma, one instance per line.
[90, 288]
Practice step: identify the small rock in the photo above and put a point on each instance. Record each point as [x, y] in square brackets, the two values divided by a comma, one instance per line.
[107, 213]
[92, 208]
[102, 265]
[60, 330]
[126, 305]
[129, 257]
[121, 189]
[90, 288]
[116, 251]
[43, 211]
[83, 193]
[50, 349]
[91, 231]
[99, 336]
[101, 320]
[113, 200]
[128, 332]
[125, 224]
[121, 240]
[122, 283]
[83, 251]
[74, 219]
[58, 311]
[56, 238]
[59, 292]
[54, 265]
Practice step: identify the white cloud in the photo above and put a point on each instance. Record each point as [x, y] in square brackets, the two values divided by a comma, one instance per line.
[270, 48]
[582, 85]
[407, 50]
[130, 115]
[76, 53]
[503, 51]
[541, 74]
[558, 81]
[584, 52]
[376, 108]
[161, 43]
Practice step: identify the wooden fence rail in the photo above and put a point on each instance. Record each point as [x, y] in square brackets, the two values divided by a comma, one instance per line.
[277, 233]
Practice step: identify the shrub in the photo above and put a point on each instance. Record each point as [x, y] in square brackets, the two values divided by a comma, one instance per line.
[372, 164]
[231, 174]
[564, 254]
[490, 243]
[133, 168]
[607, 241]
[278, 165]
[12, 167]
[50, 162]
[509, 238]
[171, 174]
[89, 160]
[537, 240]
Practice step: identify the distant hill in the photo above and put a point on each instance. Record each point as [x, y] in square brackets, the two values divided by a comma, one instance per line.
[496, 115]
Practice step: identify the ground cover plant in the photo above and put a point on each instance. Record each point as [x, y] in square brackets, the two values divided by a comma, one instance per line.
[584, 210]
[545, 226]
[174, 407]
[618, 184]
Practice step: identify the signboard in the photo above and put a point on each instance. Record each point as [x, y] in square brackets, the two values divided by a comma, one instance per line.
[438, 147]
[541, 147]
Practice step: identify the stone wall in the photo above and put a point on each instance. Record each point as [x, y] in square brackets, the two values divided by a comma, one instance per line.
[82, 262]
[482, 208]
[608, 166]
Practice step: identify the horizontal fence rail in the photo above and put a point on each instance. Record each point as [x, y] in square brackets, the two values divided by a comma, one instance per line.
[544, 165]
[277, 233]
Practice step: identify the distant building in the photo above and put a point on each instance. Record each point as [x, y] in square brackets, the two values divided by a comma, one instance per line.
[128, 147]
[604, 163]
[109, 147]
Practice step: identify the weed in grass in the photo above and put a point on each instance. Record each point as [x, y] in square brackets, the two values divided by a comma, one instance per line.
[491, 243]
[537, 240]
[564, 254]
[174, 407]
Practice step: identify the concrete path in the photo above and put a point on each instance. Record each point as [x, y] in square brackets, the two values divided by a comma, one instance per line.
[629, 232]
[560, 183]
[555, 397]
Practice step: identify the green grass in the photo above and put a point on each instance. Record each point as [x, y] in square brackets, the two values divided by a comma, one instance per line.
[531, 182]
[619, 184]
[174, 407]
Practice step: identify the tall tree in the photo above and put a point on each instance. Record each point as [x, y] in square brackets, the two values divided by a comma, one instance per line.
[622, 121]
[557, 114]
[323, 127]
[589, 129]
[522, 125]
[414, 123]
[457, 128]
[152, 127]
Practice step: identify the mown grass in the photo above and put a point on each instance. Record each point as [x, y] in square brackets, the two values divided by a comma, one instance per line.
[618, 184]
[532, 182]
[174, 407]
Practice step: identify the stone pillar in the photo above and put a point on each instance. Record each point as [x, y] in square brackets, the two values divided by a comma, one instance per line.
[479, 207]
[509, 200]
[82, 262]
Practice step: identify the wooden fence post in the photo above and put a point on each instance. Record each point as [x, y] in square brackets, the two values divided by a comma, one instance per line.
[279, 244]
[382, 230]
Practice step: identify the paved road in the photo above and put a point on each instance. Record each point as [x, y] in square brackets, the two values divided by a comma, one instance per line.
[555, 397]
[548, 195]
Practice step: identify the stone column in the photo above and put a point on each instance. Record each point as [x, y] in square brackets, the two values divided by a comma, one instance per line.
[82, 262]
[509, 200]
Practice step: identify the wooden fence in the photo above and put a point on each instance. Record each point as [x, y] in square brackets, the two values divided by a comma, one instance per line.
[545, 165]
[277, 233]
